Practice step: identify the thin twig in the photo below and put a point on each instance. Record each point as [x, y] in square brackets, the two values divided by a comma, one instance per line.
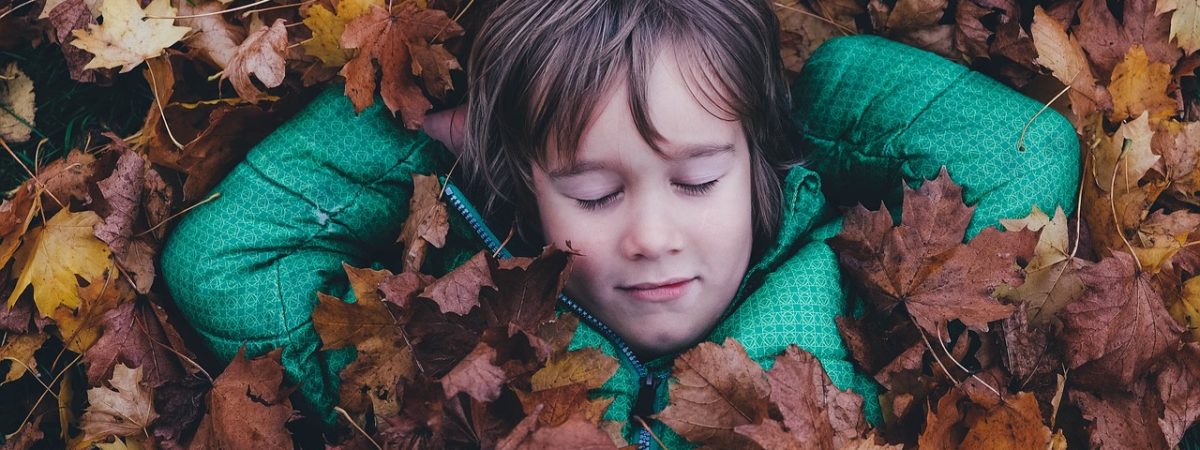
[43, 396]
[213, 13]
[959, 364]
[1021, 140]
[646, 427]
[33, 176]
[272, 8]
[934, 353]
[6, 13]
[210, 198]
[158, 103]
[1112, 202]
[823, 19]
[355, 425]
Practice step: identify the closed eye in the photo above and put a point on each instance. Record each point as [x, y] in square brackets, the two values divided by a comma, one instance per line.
[698, 189]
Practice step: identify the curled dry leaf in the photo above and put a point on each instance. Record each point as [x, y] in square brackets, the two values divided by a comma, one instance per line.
[261, 54]
[476, 374]
[18, 349]
[427, 222]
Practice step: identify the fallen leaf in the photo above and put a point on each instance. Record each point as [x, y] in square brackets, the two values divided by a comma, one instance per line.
[1114, 201]
[588, 367]
[327, 29]
[1185, 22]
[717, 388]
[389, 39]
[801, 31]
[400, 289]
[132, 335]
[1052, 275]
[54, 254]
[458, 291]
[1107, 40]
[127, 37]
[1119, 329]
[247, 404]
[125, 409]
[916, 14]
[574, 434]
[261, 54]
[1063, 55]
[16, 214]
[17, 97]
[1141, 87]
[215, 40]
[475, 375]
[1178, 387]
[1186, 310]
[427, 222]
[181, 406]
[80, 328]
[1014, 423]
[1119, 419]
[18, 349]
[123, 191]
[943, 426]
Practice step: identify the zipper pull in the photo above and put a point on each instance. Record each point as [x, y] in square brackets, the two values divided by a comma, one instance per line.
[647, 392]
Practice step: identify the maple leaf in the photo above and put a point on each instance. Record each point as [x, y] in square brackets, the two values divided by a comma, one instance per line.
[717, 388]
[1119, 419]
[943, 426]
[1120, 328]
[1052, 275]
[915, 14]
[260, 54]
[19, 349]
[17, 97]
[1107, 41]
[54, 254]
[1016, 422]
[801, 31]
[816, 413]
[80, 328]
[327, 29]
[16, 214]
[922, 262]
[1178, 386]
[372, 379]
[1063, 55]
[588, 367]
[123, 192]
[216, 40]
[1139, 86]
[574, 433]
[400, 289]
[1114, 202]
[427, 222]
[247, 404]
[458, 291]
[1185, 22]
[1178, 144]
[126, 409]
[1161, 236]
[1186, 309]
[1026, 347]
[390, 38]
[526, 294]
[127, 37]
[476, 375]
[66, 178]
[131, 335]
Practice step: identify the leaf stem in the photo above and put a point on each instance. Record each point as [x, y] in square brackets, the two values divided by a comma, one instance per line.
[356, 427]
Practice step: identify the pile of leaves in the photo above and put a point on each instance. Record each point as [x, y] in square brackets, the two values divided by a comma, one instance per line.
[1056, 332]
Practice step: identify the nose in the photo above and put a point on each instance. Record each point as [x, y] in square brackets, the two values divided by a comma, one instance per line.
[652, 231]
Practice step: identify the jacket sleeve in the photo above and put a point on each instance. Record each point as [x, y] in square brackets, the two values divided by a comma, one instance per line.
[874, 113]
[320, 190]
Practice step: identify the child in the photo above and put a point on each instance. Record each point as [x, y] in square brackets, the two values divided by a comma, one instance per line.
[654, 136]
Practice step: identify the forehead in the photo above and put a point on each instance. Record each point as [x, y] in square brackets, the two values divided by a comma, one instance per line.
[682, 113]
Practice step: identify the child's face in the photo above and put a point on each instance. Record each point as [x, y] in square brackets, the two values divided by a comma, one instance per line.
[665, 238]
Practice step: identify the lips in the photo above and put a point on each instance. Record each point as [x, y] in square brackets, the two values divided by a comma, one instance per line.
[659, 291]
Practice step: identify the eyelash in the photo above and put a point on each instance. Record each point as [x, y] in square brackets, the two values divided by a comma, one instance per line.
[692, 189]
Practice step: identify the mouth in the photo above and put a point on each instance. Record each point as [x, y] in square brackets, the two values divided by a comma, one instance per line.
[659, 291]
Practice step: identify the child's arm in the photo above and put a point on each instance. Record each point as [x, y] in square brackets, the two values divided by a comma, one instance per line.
[874, 112]
[324, 188]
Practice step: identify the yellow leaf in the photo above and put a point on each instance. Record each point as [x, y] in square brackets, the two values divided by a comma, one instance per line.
[19, 349]
[1185, 22]
[79, 328]
[327, 30]
[1139, 86]
[66, 413]
[16, 96]
[127, 37]
[54, 254]
[1186, 311]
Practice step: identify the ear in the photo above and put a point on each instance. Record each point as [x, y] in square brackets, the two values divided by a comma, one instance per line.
[448, 127]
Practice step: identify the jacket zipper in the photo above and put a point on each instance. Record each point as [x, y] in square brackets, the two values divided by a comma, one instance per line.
[647, 382]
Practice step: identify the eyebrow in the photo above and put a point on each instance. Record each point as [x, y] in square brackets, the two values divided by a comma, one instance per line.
[689, 152]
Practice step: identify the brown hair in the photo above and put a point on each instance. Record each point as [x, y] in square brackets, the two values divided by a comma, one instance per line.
[539, 67]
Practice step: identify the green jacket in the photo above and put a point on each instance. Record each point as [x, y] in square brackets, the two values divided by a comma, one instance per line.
[874, 113]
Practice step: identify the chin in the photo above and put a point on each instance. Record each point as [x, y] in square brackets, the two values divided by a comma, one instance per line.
[666, 341]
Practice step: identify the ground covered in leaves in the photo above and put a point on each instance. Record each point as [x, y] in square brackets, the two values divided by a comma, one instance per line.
[1053, 332]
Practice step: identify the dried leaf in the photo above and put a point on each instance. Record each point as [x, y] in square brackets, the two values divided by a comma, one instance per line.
[476, 375]
[327, 29]
[1063, 55]
[1178, 387]
[1185, 22]
[54, 254]
[246, 404]
[718, 388]
[1141, 87]
[19, 349]
[17, 98]
[125, 409]
[427, 221]
[458, 291]
[261, 54]
[127, 38]
[1014, 423]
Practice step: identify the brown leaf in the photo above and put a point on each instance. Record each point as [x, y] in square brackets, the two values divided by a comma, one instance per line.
[1112, 182]
[387, 38]
[561, 403]
[427, 221]
[1107, 41]
[18, 351]
[123, 192]
[132, 335]
[1013, 423]
[66, 17]
[261, 54]
[1052, 275]
[1119, 419]
[247, 405]
[374, 376]
[400, 289]
[125, 409]
[1139, 86]
[1026, 347]
[574, 434]
[66, 179]
[1119, 329]
[815, 411]
[80, 328]
[801, 30]
[717, 389]
[922, 263]
[1063, 55]
[1179, 145]
[943, 427]
[181, 403]
[915, 14]
[1178, 387]
[458, 291]
[215, 39]
[476, 375]
[588, 367]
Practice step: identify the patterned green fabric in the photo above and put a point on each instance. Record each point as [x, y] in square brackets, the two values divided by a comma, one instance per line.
[328, 184]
